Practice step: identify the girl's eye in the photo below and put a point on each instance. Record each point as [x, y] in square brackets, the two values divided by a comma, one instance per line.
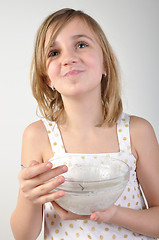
[82, 45]
[53, 53]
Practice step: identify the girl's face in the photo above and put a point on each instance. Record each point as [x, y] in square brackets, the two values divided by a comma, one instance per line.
[75, 60]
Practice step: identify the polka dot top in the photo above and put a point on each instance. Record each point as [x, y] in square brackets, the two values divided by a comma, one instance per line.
[57, 229]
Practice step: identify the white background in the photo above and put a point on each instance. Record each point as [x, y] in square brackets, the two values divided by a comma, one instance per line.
[132, 27]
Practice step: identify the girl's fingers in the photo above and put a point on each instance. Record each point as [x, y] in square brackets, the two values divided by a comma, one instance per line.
[47, 187]
[36, 183]
[104, 216]
[50, 174]
[60, 211]
[41, 184]
[43, 172]
[35, 170]
[33, 163]
[49, 197]
[66, 215]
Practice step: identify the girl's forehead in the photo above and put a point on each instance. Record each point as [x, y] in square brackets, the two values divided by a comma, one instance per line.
[76, 26]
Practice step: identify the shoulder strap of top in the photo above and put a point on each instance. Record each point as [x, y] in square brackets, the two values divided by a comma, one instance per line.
[54, 136]
[123, 133]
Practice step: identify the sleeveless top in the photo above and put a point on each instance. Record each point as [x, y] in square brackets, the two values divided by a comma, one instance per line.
[57, 229]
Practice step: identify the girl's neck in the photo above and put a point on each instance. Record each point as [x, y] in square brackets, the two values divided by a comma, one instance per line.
[82, 114]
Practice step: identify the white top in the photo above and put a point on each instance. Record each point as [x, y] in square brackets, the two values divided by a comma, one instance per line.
[57, 229]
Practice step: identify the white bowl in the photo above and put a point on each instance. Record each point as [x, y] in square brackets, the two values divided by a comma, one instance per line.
[91, 184]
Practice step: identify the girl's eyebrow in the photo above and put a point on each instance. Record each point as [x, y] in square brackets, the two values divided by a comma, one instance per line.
[80, 36]
[74, 37]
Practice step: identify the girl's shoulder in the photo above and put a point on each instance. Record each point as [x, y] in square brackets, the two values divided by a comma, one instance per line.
[140, 126]
[35, 130]
[142, 134]
[35, 141]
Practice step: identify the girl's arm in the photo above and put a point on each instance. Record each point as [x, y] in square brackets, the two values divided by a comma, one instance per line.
[26, 220]
[145, 146]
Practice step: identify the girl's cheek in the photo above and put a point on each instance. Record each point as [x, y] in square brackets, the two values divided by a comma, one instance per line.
[51, 70]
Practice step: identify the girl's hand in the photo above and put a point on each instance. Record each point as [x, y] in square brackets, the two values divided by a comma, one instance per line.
[104, 216]
[36, 182]
[65, 215]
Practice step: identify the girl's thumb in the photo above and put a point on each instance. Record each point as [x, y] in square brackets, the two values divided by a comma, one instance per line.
[33, 163]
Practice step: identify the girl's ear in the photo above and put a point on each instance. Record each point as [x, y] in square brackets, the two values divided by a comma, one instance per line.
[105, 74]
[105, 68]
[48, 82]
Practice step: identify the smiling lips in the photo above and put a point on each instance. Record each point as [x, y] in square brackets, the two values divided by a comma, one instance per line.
[73, 73]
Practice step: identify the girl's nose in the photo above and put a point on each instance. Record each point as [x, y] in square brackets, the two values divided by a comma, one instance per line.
[69, 58]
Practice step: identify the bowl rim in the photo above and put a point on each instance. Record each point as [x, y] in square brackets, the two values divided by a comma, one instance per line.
[95, 181]
[69, 180]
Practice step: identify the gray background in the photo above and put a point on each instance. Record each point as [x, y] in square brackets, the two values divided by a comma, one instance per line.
[132, 29]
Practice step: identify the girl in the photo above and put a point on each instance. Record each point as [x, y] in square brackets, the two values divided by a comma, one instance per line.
[75, 82]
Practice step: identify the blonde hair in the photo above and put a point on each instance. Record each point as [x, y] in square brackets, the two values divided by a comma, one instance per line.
[50, 102]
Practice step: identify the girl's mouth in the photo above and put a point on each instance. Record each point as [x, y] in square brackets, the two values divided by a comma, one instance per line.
[73, 73]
